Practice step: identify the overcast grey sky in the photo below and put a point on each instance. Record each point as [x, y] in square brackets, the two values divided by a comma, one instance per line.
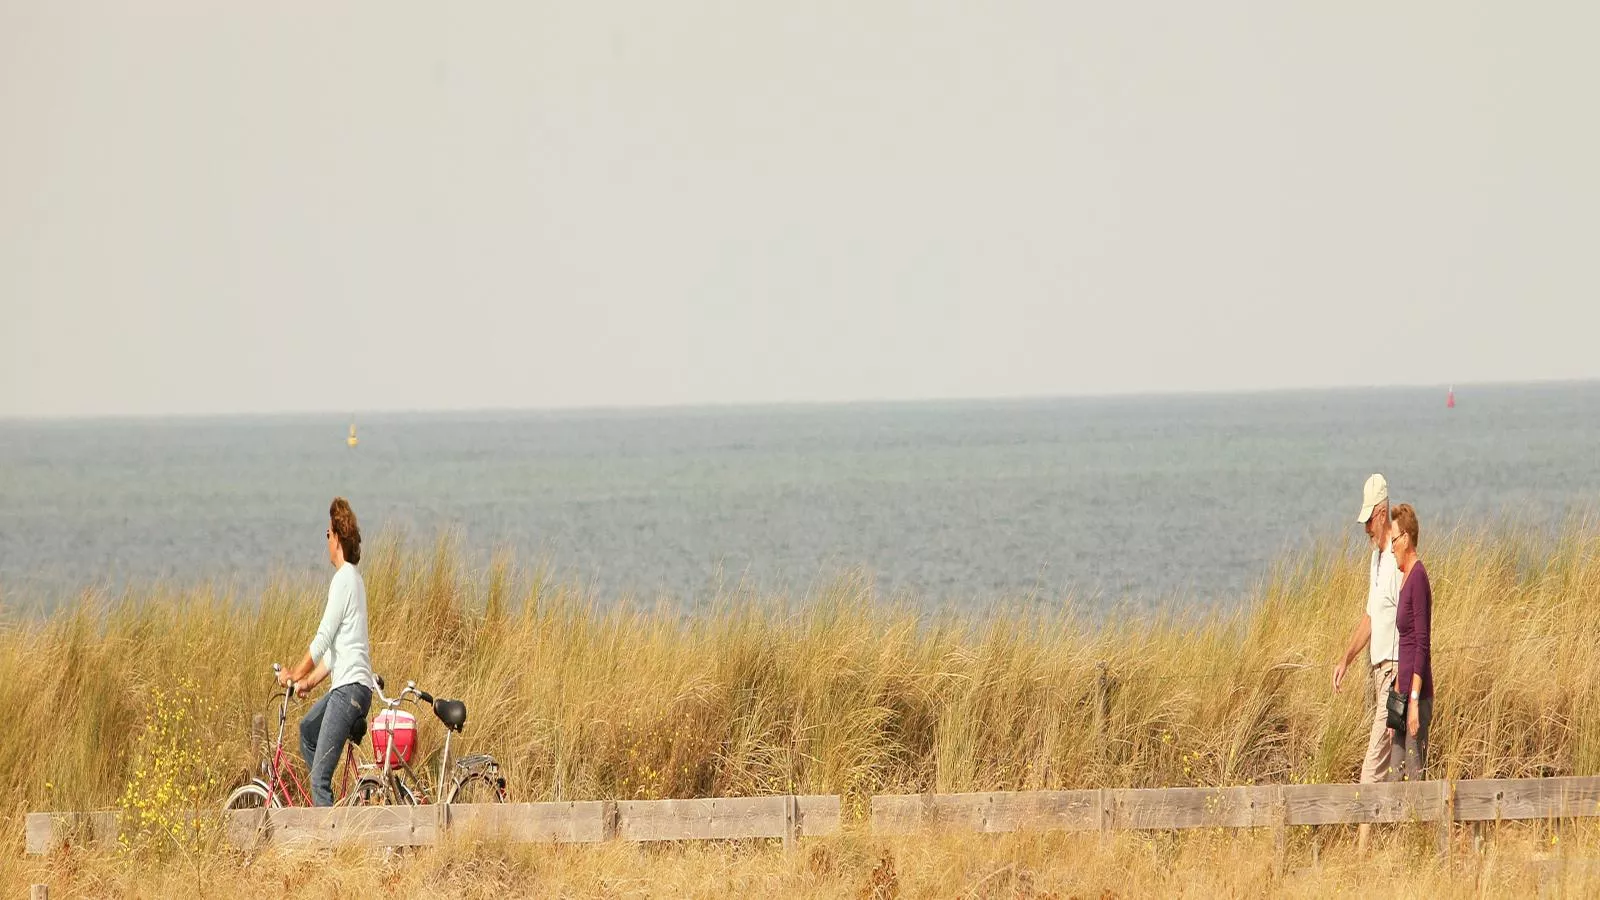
[231, 207]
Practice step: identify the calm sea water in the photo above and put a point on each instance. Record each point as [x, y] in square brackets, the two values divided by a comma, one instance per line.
[1147, 498]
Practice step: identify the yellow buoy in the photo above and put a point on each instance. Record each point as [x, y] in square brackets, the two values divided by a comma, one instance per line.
[351, 440]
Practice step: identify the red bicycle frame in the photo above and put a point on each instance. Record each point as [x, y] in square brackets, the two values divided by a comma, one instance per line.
[280, 776]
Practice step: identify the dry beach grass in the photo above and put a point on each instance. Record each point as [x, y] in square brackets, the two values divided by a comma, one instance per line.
[839, 692]
[1518, 863]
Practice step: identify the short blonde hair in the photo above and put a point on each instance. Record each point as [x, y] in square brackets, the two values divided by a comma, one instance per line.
[1405, 519]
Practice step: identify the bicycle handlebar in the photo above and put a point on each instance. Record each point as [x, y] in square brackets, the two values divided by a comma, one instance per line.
[410, 688]
[291, 689]
[390, 702]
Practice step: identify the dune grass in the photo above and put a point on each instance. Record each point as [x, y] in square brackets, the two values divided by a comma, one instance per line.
[840, 691]
[1520, 861]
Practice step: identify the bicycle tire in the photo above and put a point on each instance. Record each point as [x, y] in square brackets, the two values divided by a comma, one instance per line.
[478, 787]
[371, 791]
[249, 796]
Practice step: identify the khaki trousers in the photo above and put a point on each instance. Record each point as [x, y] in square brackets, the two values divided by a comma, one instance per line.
[1380, 743]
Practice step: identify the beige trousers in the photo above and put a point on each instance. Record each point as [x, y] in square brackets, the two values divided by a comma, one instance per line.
[1380, 743]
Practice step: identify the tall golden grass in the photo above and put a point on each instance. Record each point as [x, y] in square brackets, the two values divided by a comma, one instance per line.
[1517, 862]
[840, 691]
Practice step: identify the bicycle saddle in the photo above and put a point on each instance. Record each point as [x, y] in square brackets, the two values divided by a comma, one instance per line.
[453, 713]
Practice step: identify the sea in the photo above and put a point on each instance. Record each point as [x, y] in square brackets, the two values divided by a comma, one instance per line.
[1105, 501]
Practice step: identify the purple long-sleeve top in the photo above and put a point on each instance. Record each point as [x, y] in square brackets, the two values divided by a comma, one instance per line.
[1414, 621]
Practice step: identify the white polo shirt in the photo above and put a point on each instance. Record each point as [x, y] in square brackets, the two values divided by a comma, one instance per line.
[1383, 600]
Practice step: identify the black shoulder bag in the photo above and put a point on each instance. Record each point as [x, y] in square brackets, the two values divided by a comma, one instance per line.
[1397, 710]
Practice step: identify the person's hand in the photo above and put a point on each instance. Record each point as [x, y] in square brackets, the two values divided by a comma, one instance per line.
[1338, 676]
[283, 675]
[1413, 720]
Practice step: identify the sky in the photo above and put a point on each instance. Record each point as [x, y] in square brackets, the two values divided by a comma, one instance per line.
[248, 208]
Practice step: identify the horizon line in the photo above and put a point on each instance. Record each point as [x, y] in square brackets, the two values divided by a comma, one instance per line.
[738, 405]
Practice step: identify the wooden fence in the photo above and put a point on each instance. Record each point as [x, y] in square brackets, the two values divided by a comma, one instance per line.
[791, 817]
[1268, 806]
[786, 817]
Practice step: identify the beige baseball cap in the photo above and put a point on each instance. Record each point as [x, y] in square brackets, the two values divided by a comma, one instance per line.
[1374, 492]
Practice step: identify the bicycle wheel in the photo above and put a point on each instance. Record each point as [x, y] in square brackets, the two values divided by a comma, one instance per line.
[372, 791]
[248, 796]
[478, 787]
[245, 830]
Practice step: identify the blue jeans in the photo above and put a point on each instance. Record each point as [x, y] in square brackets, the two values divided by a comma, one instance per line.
[331, 721]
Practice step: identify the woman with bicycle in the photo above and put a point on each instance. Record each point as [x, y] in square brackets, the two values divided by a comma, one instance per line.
[341, 650]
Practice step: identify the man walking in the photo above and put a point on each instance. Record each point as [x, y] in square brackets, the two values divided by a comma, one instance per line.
[1376, 631]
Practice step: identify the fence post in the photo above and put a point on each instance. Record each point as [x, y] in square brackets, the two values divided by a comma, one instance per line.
[1105, 816]
[39, 892]
[1280, 830]
[1447, 815]
[791, 821]
[610, 820]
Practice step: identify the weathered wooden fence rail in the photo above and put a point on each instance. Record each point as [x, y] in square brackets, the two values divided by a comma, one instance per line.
[1475, 800]
[786, 817]
[791, 817]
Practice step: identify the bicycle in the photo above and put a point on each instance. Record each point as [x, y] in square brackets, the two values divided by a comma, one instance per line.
[473, 779]
[279, 785]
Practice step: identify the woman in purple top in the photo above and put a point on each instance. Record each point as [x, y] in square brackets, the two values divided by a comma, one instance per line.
[1414, 621]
